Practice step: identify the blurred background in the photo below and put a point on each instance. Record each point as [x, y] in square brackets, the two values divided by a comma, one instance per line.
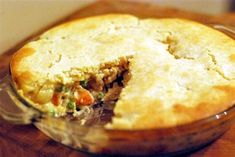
[214, 7]
[21, 18]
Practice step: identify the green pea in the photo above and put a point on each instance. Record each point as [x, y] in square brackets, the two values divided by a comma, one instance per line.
[71, 105]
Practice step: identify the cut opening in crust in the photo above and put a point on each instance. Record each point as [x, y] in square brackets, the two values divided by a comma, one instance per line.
[98, 89]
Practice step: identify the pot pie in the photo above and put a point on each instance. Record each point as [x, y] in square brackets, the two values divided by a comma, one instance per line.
[156, 72]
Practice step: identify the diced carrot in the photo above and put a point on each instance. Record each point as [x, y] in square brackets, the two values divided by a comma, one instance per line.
[55, 99]
[84, 97]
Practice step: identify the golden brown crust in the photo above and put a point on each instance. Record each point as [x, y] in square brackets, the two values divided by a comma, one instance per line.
[20, 77]
[17, 58]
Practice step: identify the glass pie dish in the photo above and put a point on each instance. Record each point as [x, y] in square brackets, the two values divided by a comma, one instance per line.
[89, 135]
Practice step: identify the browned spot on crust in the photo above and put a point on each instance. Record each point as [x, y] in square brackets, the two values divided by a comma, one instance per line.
[22, 78]
[199, 111]
[232, 58]
[229, 90]
[206, 108]
[15, 63]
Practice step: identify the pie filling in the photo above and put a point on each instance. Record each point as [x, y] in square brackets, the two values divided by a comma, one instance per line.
[102, 87]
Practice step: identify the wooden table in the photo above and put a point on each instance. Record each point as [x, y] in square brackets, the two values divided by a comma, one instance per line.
[24, 141]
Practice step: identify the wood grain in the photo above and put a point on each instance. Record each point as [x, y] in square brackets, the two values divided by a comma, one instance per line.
[22, 141]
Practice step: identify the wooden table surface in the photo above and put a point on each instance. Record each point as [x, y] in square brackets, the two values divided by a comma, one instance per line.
[22, 141]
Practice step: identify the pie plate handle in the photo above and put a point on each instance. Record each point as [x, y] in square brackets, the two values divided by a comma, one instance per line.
[12, 109]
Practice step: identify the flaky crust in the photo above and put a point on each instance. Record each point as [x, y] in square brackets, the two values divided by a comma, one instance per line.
[181, 70]
[188, 76]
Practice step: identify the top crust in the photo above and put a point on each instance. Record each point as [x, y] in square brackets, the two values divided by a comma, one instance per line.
[183, 78]
[181, 70]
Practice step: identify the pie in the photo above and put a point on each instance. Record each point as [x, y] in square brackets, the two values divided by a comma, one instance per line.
[156, 72]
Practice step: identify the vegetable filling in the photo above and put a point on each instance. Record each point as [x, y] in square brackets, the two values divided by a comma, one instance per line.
[102, 87]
